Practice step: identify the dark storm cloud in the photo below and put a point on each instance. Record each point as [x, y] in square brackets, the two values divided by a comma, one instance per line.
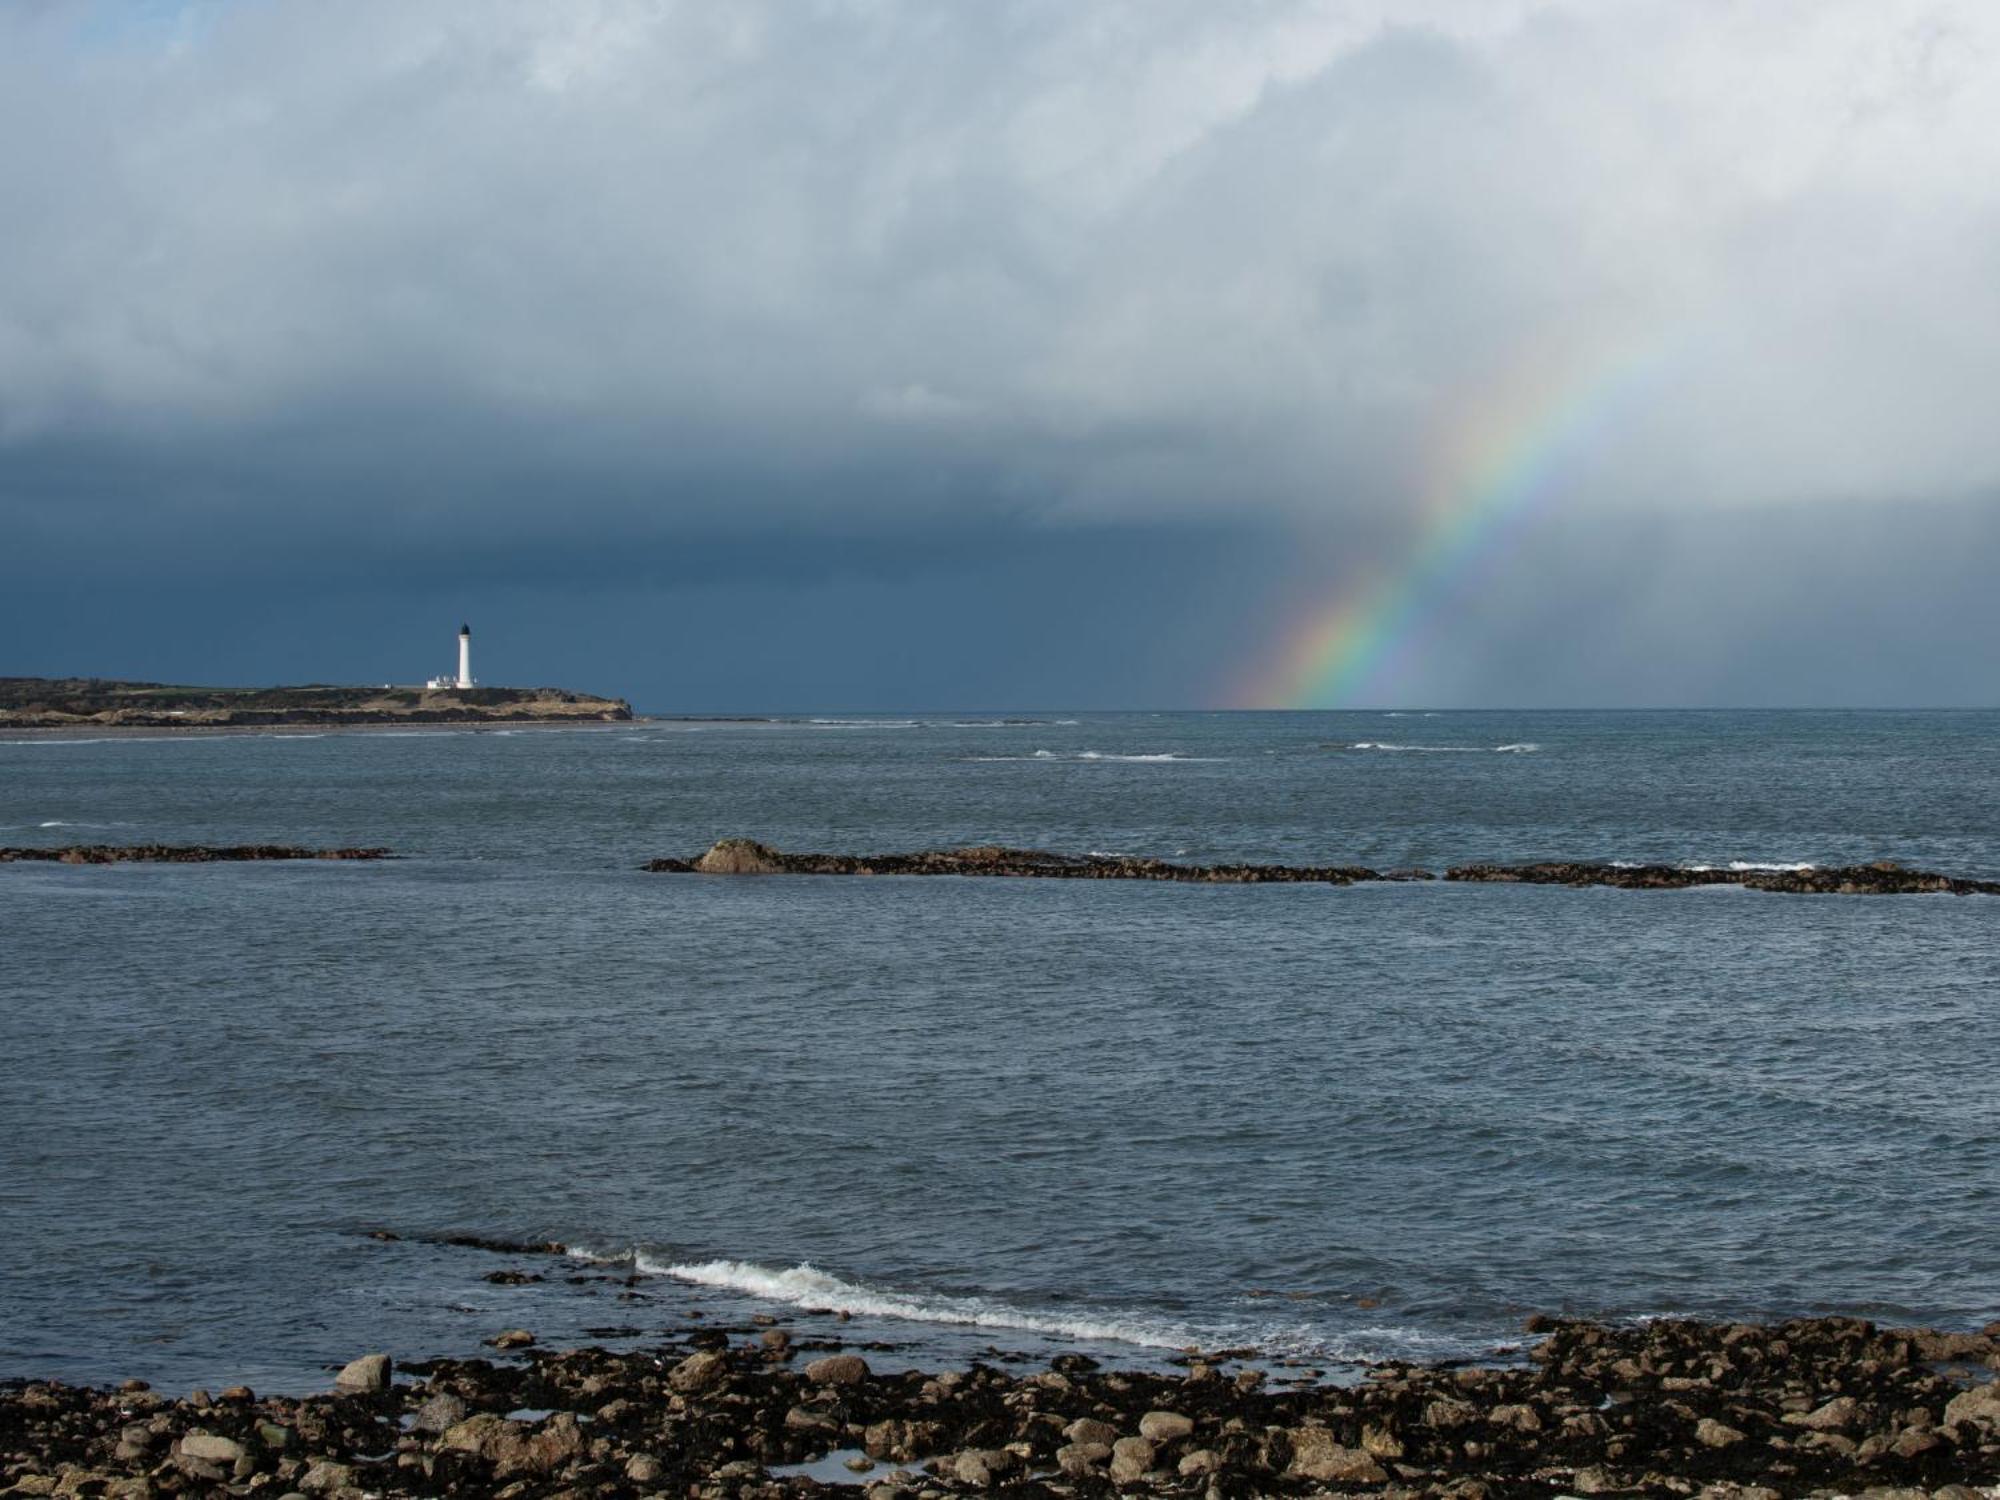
[630, 296]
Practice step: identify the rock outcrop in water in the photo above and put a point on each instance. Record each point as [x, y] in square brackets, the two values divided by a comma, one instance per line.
[1817, 1407]
[1884, 878]
[748, 857]
[178, 854]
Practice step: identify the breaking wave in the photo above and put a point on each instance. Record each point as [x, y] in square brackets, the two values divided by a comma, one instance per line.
[1103, 756]
[807, 1286]
[1524, 747]
[1748, 866]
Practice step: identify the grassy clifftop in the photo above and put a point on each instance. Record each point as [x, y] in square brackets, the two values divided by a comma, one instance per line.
[56, 702]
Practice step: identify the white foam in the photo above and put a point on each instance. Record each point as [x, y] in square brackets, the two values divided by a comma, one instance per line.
[806, 1285]
[863, 723]
[1753, 866]
[1523, 747]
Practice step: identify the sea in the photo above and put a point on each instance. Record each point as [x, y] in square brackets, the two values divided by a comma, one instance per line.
[245, 1109]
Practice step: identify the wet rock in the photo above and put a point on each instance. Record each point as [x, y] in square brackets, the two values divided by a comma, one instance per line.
[439, 1414]
[513, 1338]
[1317, 1455]
[365, 1375]
[699, 1372]
[212, 1447]
[643, 1468]
[1131, 1458]
[1090, 1430]
[1841, 1412]
[1078, 1459]
[1449, 1414]
[326, 1478]
[1164, 1426]
[838, 1369]
[1713, 1434]
[1379, 1442]
[1201, 1461]
[1979, 1407]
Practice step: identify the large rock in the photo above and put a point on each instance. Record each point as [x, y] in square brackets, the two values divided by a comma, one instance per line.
[1078, 1459]
[1131, 1458]
[514, 1449]
[364, 1376]
[1839, 1413]
[1713, 1434]
[1164, 1426]
[1979, 1407]
[838, 1369]
[699, 1372]
[1090, 1430]
[212, 1447]
[740, 857]
[1317, 1455]
[440, 1413]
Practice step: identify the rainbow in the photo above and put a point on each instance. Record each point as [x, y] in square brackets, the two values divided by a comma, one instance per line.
[1498, 462]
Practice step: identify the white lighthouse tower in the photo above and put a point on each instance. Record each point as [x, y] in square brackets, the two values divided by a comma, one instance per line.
[464, 678]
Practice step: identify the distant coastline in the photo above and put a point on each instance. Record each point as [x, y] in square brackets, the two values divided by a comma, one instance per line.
[95, 704]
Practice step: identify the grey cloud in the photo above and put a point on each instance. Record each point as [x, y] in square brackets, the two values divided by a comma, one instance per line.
[660, 292]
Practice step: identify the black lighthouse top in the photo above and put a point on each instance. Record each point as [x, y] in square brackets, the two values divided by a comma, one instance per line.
[465, 630]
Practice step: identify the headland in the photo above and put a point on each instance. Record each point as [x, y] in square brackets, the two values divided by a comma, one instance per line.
[43, 703]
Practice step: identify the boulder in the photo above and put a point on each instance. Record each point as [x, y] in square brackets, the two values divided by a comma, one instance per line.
[364, 1376]
[1317, 1455]
[1078, 1459]
[440, 1413]
[699, 1372]
[1979, 1407]
[740, 857]
[1164, 1426]
[1839, 1413]
[1380, 1442]
[643, 1468]
[1131, 1458]
[327, 1477]
[838, 1369]
[212, 1447]
[1713, 1434]
[1090, 1430]
[513, 1338]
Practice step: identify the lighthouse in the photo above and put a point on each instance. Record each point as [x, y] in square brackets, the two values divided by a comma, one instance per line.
[464, 656]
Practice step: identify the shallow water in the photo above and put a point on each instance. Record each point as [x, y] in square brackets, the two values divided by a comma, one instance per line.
[1333, 1123]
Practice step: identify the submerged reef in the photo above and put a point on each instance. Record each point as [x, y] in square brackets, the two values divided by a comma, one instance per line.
[177, 854]
[748, 857]
[183, 853]
[1813, 1407]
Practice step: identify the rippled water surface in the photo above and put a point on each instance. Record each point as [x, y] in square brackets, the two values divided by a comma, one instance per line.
[1330, 1122]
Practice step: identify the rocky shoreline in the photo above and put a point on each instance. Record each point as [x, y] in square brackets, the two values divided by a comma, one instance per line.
[1828, 1406]
[737, 856]
[176, 854]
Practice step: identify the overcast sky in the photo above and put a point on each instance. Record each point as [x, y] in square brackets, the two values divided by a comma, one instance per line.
[843, 355]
